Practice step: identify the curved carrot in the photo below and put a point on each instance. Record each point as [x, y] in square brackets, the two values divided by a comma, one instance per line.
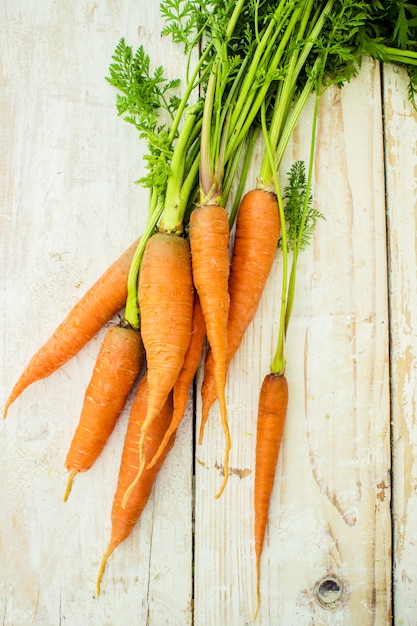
[256, 240]
[185, 378]
[166, 308]
[116, 369]
[124, 518]
[209, 241]
[272, 410]
[97, 307]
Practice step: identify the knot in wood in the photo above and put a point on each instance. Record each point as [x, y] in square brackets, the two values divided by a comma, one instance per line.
[329, 591]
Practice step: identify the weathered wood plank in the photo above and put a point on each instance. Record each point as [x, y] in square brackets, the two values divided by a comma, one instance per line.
[330, 515]
[69, 207]
[401, 172]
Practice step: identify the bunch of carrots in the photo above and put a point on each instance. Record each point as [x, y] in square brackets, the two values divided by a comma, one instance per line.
[186, 289]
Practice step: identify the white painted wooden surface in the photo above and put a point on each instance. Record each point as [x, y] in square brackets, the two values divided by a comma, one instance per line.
[69, 206]
[401, 133]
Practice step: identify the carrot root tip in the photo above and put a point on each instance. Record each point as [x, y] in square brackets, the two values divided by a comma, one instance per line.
[71, 477]
[103, 562]
[137, 477]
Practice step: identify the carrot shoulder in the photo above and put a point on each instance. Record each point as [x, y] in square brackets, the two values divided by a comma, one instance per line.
[116, 369]
[124, 515]
[272, 410]
[209, 241]
[99, 304]
[256, 240]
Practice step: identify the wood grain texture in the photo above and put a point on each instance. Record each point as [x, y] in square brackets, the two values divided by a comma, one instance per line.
[69, 206]
[330, 514]
[401, 171]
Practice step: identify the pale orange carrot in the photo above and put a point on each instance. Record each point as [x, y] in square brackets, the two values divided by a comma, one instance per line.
[166, 308]
[124, 516]
[256, 240]
[272, 410]
[209, 241]
[99, 304]
[186, 376]
[116, 369]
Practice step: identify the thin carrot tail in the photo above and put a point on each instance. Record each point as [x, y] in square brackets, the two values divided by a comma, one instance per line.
[142, 465]
[71, 477]
[111, 548]
[220, 385]
[208, 393]
[175, 422]
[258, 592]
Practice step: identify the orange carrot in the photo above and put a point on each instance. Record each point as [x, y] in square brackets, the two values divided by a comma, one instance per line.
[185, 378]
[166, 308]
[99, 304]
[256, 240]
[124, 518]
[116, 369]
[209, 240]
[272, 410]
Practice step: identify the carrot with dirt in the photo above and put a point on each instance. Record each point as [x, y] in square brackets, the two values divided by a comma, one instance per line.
[124, 515]
[182, 386]
[117, 367]
[95, 309]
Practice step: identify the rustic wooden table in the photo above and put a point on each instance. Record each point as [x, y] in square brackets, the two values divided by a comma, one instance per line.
[341, 543]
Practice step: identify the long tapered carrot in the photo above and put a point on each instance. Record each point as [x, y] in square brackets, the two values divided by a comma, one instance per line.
[256, 239]
[98, 306]
[124, 516]
[116, 369]
[272, 410]
[186, 376]
[166, 308]
[209, 241]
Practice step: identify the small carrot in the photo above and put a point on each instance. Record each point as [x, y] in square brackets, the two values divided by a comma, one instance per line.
[116, 369]
[255, 244]
[272, 410]
[185, 378]
[125, 515]
[166, 308]
[209, 240]
[99, 304]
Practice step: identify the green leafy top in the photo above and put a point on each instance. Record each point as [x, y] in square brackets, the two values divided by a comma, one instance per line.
[300, 220]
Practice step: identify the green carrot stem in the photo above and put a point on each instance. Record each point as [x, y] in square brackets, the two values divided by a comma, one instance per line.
[278, 363]
[206, 164]
[132, 315]
[172, 216]
[260, 58]
[297, 248]
[249, 109]
[288, 87]
[242, 177]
